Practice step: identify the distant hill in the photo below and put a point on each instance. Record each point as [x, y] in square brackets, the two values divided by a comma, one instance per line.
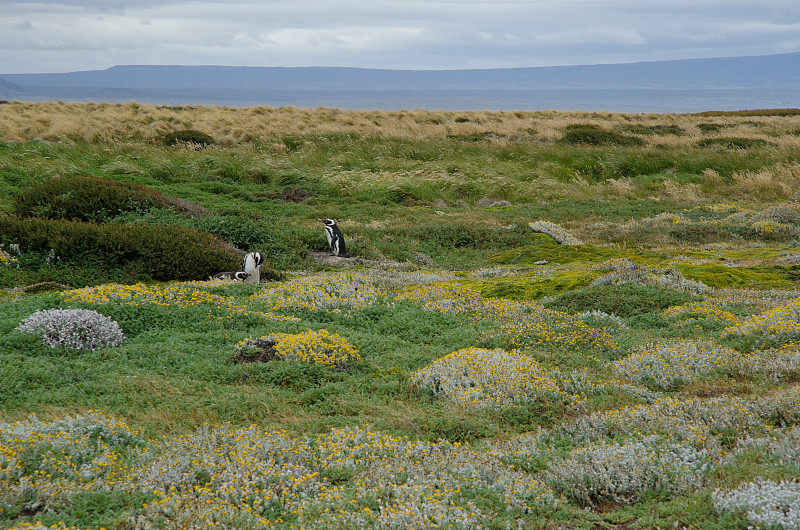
[734, 83]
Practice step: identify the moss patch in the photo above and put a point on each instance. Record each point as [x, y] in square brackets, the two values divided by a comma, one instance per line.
[721, 277]
[624, 300]
[533, 288]
[547, 249]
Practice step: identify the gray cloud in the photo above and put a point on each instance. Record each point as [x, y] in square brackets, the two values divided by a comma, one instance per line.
[71, 35]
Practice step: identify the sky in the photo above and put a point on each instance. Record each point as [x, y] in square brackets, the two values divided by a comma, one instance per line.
[75, 35]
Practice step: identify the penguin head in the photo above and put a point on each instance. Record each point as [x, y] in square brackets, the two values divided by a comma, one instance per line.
[241, 275]
[254, 259]
[329, 222]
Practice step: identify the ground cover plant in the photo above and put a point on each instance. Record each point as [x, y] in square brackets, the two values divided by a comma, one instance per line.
[550, 320]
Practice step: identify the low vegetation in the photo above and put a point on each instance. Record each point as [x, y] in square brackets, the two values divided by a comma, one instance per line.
[550, 319]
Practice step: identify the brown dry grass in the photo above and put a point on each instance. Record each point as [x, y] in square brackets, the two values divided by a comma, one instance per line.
[106, 122]
[778, 182]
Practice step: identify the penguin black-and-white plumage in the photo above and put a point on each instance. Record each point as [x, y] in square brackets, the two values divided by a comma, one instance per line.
[236, 276]
[250, 265]
[335, 238]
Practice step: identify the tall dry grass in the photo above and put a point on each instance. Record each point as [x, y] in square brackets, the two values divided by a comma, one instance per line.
[778, 182]
[107, 122]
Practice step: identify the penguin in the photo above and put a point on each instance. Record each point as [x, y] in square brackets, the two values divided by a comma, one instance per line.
[236, 276]
[250, 265]
[335, 238]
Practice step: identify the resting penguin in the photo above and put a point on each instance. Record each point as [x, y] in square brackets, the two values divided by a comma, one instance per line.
[335, 238]
[250, 265]
[236, 276]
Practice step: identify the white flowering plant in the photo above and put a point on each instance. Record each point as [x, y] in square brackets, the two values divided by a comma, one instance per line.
[80, 329]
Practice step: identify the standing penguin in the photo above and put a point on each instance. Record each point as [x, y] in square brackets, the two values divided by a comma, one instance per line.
[335, 238]
[250, 265]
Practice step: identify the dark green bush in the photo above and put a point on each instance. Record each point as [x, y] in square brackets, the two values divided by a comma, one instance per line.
[702, 232]
[588, 134]
[188, 136]
[91, 199]
[158, 252]
[711, 127]
[240, 232]
[649, 130]
[436, 238]
[732, 143]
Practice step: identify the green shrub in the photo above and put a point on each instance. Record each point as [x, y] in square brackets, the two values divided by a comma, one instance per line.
[588, 134]
[649, 130]
[711, 127]
[158, 252]
[240, 232]
[438, 237]
[91, 199]
[701, 232]
[188, 136]
[732, 143]
[283, 245]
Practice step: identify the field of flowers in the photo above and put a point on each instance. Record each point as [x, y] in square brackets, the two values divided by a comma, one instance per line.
[668, 439]
[622, 351]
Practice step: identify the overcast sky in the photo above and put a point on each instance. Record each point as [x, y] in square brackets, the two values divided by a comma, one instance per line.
[71, 35]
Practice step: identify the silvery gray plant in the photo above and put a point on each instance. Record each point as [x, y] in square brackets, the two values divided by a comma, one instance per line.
[81, 329]
[622, 472]
[764, 502]
[555, 231]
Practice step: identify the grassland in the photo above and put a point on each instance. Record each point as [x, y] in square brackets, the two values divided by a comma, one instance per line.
[631, 363]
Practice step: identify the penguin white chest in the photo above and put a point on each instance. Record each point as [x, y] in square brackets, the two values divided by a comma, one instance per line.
[250, 265]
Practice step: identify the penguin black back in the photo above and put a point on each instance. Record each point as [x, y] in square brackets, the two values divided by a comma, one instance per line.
[237, 276]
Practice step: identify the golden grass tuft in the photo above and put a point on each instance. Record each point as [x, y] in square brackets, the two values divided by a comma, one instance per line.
[778, 182]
